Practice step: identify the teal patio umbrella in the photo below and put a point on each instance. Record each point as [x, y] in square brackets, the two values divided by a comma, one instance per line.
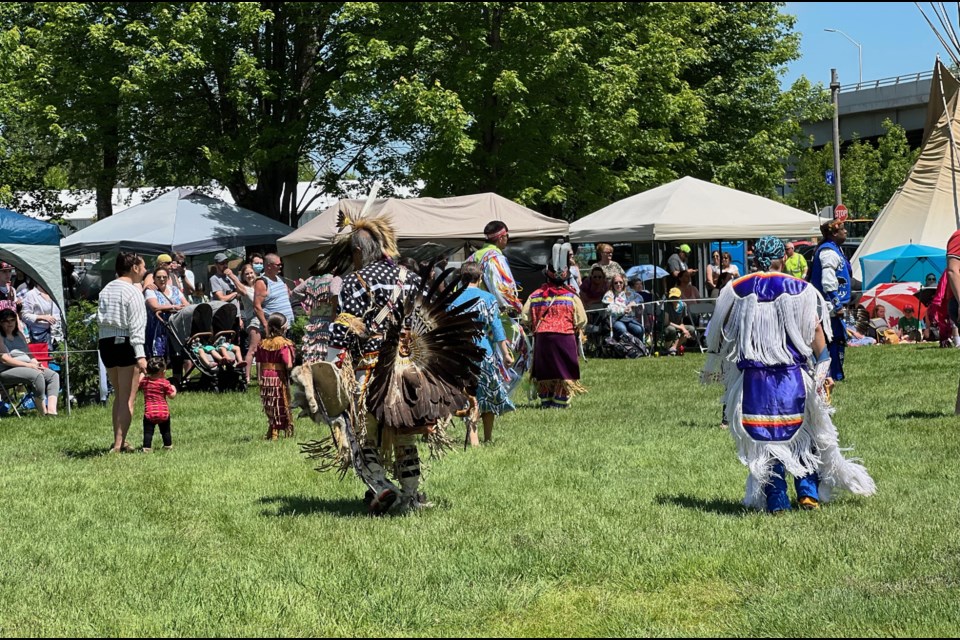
[905, 263]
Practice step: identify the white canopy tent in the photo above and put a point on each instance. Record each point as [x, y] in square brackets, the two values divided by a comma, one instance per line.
[445, 221]
[691, 209]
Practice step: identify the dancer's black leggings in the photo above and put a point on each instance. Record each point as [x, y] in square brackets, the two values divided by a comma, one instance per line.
[148, 426]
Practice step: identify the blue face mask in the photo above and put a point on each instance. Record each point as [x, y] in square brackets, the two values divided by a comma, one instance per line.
[258, 268]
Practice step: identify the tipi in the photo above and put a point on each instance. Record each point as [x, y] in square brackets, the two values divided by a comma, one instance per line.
[925, 209]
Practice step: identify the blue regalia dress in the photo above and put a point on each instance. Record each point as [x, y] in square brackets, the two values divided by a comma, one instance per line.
[759, 341]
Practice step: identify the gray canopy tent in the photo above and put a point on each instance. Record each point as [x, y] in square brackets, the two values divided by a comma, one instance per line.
[179, 220]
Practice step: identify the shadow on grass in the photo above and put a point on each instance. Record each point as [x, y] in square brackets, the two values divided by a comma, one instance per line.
[85, 454]
[913, 415]
[719, 506]
[303, 505]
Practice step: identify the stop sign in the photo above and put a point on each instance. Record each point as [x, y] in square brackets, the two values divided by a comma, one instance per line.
[840, 213]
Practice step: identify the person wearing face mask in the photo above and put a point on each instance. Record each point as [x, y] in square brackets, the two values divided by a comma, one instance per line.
[270, 293]
[256, 261]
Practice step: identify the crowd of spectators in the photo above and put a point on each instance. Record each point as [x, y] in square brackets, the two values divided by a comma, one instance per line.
[620, 304]
[257, 289]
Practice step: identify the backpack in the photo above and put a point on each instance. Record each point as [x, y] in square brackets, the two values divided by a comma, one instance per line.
[888, 336]
[626, 346]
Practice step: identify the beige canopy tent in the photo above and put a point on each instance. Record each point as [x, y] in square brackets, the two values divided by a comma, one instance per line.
[924, 210]
[691, 209]
[445, 221]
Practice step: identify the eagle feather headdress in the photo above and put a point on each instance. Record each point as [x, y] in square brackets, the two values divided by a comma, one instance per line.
[340, 258]
[428, 368]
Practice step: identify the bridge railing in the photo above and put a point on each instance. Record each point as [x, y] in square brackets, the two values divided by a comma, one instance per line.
[887, 82]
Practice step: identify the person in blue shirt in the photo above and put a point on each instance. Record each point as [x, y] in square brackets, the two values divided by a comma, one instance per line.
[492, 396]
[831, 275]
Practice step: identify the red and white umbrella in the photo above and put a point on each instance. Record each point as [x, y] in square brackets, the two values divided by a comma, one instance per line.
[888, 300]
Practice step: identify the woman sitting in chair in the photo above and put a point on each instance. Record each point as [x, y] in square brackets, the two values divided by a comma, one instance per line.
[17, 366]
[621, 304]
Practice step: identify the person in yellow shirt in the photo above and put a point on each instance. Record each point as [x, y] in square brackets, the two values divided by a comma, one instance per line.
[795, 264]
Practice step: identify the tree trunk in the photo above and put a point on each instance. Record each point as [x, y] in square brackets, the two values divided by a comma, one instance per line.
[110, 159]
[489, 113]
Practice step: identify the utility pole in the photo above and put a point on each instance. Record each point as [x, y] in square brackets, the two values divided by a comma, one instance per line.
[835, 93]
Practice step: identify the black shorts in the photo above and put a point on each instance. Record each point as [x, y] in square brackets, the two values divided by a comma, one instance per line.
[116, 355]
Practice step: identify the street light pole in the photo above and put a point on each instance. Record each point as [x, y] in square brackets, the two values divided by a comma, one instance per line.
[835, 91]
[859, 51]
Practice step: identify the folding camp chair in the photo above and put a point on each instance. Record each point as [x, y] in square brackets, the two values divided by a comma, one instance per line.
[40, 351]
[701, 311]
[598, 329]
[10, 401]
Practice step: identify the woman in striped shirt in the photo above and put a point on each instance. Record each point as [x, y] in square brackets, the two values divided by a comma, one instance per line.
[122, 318]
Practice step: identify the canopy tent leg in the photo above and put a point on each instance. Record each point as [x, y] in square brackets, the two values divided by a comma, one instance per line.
[66, 354]
[656, 260]
[66, 371]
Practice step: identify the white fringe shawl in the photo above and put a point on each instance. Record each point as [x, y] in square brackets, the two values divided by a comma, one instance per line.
[745, 328]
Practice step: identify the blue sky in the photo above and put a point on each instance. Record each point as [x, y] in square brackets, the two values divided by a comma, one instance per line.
[894, 36]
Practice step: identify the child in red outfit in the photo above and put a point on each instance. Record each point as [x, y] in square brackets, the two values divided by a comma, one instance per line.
[155, 389]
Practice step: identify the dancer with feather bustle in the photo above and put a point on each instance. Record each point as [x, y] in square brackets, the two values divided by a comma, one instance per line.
[400, 360]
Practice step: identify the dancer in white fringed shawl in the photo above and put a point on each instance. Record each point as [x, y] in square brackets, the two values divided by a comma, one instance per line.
[768, 344]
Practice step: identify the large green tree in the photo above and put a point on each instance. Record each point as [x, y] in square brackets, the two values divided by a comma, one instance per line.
[562, 106]
[573, 105]
[64, 65]
[244, 94]
[248, 94]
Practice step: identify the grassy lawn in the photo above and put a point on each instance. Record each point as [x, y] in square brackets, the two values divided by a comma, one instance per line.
[620, 517]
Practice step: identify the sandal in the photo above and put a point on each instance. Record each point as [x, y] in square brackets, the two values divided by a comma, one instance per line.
[126, 447]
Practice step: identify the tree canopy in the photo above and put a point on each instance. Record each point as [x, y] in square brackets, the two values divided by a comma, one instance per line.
[561, 106]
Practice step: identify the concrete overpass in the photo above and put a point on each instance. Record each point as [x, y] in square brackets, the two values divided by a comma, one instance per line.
[864, 107]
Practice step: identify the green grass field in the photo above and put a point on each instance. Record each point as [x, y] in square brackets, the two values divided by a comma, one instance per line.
[620, 517]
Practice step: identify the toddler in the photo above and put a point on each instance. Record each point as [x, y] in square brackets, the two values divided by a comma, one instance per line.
[155, 389]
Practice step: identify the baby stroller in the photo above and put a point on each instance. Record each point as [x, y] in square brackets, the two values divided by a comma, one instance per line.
[197, 328]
